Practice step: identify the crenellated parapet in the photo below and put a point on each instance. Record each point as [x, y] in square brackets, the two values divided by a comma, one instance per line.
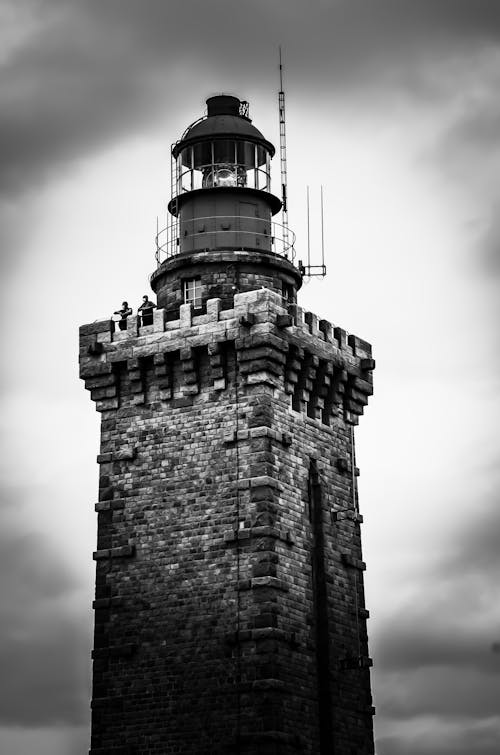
[227, 503]
[326, 372]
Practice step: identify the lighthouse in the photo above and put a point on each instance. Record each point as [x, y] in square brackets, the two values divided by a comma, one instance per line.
[229, 603]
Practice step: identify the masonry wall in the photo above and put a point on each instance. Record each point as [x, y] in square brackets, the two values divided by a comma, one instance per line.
[221, 273]
[229, 611]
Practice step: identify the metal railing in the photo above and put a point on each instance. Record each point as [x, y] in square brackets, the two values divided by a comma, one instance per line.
[236, 228]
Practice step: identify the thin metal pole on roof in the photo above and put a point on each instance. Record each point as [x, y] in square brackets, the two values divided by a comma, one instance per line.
[322, 231]
[308, 234]
[157, 244]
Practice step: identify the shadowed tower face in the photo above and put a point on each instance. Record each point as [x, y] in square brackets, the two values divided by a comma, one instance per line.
[229, 607]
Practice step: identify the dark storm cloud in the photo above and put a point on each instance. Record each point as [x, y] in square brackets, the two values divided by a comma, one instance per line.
[421, 641]
[68, 91]
[92, 72]
[40, 641]
[426, 633]
[468, 145]
[479, 124]
[434, 657]
[434, 660]
[37, 569]
[489, 245]
[449, 693]
[474, 552]
[98, 71]
[479, 740]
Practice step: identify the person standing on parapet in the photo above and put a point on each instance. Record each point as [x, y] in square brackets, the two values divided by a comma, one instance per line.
[146, 309]
[124, 312]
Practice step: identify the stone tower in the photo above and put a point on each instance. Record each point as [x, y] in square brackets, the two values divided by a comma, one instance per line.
[229, 605]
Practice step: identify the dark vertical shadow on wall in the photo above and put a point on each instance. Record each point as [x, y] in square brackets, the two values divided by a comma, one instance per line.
[320, 602]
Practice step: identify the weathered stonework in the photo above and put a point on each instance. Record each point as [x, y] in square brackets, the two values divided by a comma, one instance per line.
[221, 274]
[229, 607]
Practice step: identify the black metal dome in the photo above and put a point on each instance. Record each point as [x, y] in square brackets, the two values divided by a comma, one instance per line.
[224, 122]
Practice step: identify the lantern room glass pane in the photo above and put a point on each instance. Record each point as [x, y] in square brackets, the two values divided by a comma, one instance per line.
[186, 157]
[202, 154]
[224, 151]
[224, 162]
[261, 155]
[246, 154]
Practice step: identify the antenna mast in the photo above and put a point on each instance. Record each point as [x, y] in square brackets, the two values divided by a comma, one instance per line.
[322, 234]
[284, 210]
[314, 271]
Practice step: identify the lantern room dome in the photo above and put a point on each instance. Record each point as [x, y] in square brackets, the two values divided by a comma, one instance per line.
[223, 121]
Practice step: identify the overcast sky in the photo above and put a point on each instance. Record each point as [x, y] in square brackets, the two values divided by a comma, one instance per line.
[393, 106]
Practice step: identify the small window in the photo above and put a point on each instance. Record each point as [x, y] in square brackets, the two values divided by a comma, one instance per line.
[192, 292]
[288, 292]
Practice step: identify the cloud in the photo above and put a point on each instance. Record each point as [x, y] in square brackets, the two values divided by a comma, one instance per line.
[37, 569]
[94, 73]
[457, 583]
[87, 74]
[433, 656]
[41, 682]
[434, 643]
[427, 736]
[489, 243]
[479, 126]
[466, 144]
[56, 740]
[446, 692]
[70, 91]
[42, 642]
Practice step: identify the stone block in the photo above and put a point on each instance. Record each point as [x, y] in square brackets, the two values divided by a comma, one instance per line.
[355, 563]
[312, 322]
[213, 309]
[99, 326]
[367, 364]
[186, 313]
[158, 320]
[127, 453]
[124, 551]
[133, 324]
[220, 384]
[284, 321]
[95, 349]
[360, 348]
[247, 320]
[115, 651]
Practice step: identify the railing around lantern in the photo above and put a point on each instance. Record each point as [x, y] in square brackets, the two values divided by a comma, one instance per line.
[280, 241]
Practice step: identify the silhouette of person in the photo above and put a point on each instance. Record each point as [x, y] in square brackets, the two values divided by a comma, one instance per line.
[146, 310]
[125, 312]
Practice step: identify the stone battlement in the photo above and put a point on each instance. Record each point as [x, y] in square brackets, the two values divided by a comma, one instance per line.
[323, 368]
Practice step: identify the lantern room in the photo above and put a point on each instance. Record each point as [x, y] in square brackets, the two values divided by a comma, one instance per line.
[223, 150]
[223, 162]
[221, 182]
[222, 237]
